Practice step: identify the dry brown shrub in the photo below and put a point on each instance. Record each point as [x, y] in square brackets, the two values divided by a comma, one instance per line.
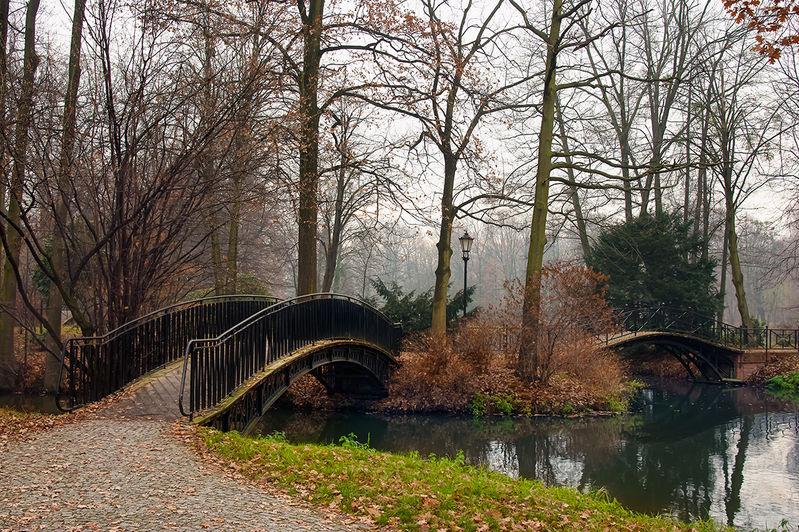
[479, 341]
[778, 365]
[432, 375]
[481, 355]
[573, 313]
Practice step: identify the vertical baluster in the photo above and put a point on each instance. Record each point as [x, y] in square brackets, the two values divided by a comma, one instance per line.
[82, 369]
[192, 380]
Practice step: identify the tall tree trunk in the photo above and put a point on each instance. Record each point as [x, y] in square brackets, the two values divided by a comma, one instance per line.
[207, 166]
[687, 185]
[309, 150]
[700, 216]
[233, 229]
[625, 174]
[444, 247]
[243, 164]
[735, 267]
[723, 276]
[8, 289]
[527, 365]
[216, 255]
[58, 259]
[4, 152]
[573, 195]
[332, 257]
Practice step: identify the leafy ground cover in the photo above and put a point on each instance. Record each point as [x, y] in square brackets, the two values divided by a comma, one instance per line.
[16, 425]
[409, 492]
[779, 373]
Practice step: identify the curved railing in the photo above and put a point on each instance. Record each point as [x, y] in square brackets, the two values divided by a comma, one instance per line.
[217, 366]
[96, 366]
[665, 319]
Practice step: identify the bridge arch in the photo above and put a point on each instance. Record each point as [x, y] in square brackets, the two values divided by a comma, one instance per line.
[246, 368]
[713, 362]
[342, 366]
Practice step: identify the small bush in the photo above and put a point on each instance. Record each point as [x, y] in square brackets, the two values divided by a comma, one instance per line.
[479, 405]
[504, 403]
[483, 404]
[784, 384]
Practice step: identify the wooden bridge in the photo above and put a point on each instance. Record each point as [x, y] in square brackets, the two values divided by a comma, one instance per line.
[240, 353]
[707, 348]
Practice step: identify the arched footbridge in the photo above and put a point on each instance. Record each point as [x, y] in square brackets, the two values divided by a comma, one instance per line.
[240, 353]
[707, 348]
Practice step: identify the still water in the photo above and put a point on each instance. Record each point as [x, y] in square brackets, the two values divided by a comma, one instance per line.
[692, 451]
[30, 403]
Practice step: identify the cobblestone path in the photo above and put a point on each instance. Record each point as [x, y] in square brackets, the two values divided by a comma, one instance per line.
[120, 470]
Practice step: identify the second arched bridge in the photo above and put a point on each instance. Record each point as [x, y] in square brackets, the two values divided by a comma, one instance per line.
[707, 348]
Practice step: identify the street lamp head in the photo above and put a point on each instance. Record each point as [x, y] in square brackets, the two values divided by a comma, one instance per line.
[466, 244]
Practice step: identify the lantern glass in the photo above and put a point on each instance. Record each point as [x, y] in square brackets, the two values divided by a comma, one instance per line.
[466, 244]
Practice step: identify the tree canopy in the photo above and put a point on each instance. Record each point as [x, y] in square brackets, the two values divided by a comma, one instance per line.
[649, 261]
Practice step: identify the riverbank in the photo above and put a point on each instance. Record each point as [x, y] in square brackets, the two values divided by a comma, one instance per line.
[96, 471]
[146, 475]
[410, 492]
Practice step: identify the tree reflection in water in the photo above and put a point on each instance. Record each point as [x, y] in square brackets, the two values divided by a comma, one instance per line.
[688, 453]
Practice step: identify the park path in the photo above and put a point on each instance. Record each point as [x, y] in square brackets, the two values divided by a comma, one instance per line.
[124, 467]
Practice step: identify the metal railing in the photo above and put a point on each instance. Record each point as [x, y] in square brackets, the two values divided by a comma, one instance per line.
[664, 319]
[94, 367]
[215, 367]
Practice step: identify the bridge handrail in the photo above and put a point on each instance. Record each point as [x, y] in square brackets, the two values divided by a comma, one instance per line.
[708, 328]
[73, 348]
[125, 327]
[193, 346]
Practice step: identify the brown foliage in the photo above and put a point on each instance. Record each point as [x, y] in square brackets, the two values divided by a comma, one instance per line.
[776, 366]
[480, 356]
[767, 18]
[571, 314]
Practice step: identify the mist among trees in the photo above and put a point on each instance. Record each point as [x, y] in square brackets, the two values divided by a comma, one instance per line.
[152, 152]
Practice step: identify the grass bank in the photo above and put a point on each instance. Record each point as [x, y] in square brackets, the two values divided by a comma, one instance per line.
[409, 492]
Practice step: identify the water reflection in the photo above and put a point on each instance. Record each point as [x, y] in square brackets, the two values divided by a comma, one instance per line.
[693, 451]
[30, 403]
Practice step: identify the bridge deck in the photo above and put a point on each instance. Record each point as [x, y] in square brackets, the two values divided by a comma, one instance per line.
[154, 396]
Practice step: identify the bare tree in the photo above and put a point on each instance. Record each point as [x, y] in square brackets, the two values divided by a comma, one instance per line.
[451, 83]
[744, 129]
[11, 237]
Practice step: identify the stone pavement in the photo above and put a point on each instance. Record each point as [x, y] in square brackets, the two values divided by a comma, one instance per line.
[118, 470]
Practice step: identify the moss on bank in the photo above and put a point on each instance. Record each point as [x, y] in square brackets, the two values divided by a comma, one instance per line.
[408, 492]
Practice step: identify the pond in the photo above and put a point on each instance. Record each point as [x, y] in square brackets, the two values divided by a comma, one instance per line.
[692, 451]
[30, 403]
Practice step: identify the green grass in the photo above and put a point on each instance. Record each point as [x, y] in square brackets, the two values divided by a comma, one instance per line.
[785, 385]
[408, 492]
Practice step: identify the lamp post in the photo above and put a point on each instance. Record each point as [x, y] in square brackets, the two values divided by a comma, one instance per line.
[466, 247]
